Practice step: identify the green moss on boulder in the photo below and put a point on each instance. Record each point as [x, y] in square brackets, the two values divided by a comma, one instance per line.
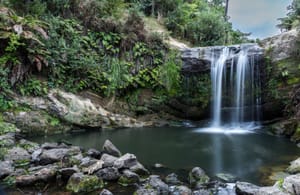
[80, 183]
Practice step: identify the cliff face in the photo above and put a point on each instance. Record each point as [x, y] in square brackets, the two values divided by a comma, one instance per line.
[282, 84]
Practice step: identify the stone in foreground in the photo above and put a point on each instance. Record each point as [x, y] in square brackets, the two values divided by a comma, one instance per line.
[244, 188]
[80, 183]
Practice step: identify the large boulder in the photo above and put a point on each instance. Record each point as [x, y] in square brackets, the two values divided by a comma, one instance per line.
[108, 160]
[17, 154]
[36, 122]
[271, 190]
[198, 176]
[6, 168]
[128, 178]
[82, 112]
[281, 46]
[40, 174]
[80, 183]
[57, 154]
[294, 167]
[156, 183]
[126, 161]
[244, 188]
[110, 148]
[292, 184]
[108, 174]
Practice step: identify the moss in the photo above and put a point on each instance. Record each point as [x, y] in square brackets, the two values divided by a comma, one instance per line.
[84, 184]
[3, 152]
[126, 181]
[24, 163]
[7, 128]
[296, 135]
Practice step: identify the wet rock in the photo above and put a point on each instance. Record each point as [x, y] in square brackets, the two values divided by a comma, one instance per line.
[156, 183]
[180, 190]
[227, 178]
[7, 140]
[17, 154]
[80, 183]
[66, 173]
[139, 169]
[111, 149]
[128, 178]
[45, 174]
[292, 184]
[108, 160]
[294, 166]
[172, 179]
[36, 154]
[94, 153]
[270, 190]
[108, 174]
[6, 168]
[93, 167]
[87, 161]
[57, 154]
[105, 192]
[146, 191]
[28, 145]
[126, 161]
[197, 176]
[158, 165]
[244, 188]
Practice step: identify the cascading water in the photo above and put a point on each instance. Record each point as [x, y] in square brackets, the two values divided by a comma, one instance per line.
[235, 85]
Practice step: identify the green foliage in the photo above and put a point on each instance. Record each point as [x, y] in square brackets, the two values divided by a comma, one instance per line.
[33, 87]
[292, 18]
[170, 74]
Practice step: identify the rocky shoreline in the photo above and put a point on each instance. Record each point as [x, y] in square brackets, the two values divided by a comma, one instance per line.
[26, 164]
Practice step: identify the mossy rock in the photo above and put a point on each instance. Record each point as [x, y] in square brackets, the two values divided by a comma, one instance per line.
[296, 135]
[80, 183]
[7, 128]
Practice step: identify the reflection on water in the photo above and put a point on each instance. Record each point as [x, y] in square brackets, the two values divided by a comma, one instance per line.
[183, 148]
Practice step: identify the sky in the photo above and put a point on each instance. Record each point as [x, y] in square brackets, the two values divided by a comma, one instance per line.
[257, 16]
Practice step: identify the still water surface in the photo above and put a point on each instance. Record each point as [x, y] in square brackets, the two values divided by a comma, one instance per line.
[182, 148]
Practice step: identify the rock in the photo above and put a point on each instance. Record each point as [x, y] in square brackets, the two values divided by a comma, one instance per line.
[126, 161]
[28, 145]
[57, 154]
[294, 166]
[111, 149]
[158, 165]
[7, 140]
[180, 190]
[197, 176]
[80, 183]
[94, 153]
[227, 178]
[108, 174]
[244, 188]
[35, 156]
[156, 183]
[292, 184]
[172, 179]
[37, 123]
[128, 178]
[6, 168]
[55, 145]
[45, 174]
[281, 46]
[139, 169]
[198, 60]
[105, 192]
[108, 160]
[146, 191]
[66, 173]
[82, 112]
[270, 190]
[298, 145]
[17, 154]
[93, 167]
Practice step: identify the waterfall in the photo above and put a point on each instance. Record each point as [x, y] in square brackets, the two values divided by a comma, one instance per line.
[235, 85]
